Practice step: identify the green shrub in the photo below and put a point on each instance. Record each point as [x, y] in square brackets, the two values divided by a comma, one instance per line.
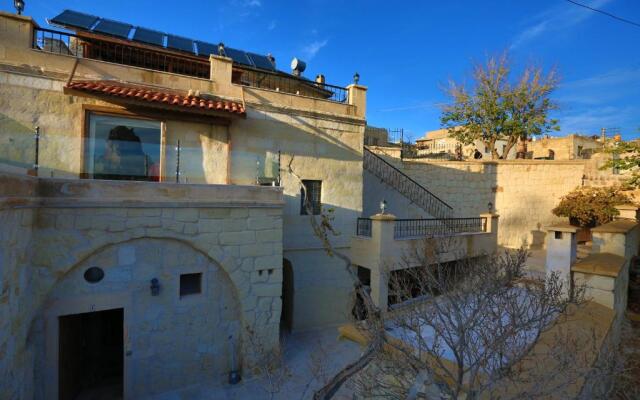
[589, 207]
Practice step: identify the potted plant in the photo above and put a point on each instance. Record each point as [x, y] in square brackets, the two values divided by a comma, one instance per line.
[588, 207]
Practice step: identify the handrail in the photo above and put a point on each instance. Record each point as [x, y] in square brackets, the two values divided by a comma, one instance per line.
[434, 205]
[431, 227]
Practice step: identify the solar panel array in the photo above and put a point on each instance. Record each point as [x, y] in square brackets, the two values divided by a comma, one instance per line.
[91, 23]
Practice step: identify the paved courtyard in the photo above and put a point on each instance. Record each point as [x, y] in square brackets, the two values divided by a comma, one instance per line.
[300, 350]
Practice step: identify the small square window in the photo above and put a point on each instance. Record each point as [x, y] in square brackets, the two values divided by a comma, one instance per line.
[558, 235]
[190, 284]
[314, 191]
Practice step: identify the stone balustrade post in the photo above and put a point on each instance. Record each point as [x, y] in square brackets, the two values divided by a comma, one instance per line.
[358, 98]
[627, 211]
[382, 228]
[561, 246]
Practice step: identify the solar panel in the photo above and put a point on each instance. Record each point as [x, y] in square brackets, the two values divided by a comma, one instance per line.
[261, 61]
[148, 36]
[113, 28]
[206, 49]
[75, 19]
[180, 43]
[238, 56]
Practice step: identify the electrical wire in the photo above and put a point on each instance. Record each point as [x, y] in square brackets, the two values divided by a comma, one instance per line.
[605, 13]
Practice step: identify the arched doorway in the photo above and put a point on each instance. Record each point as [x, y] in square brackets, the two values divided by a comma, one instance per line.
[286, 316]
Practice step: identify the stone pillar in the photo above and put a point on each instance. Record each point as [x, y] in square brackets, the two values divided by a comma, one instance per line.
[627, 211]
[492, 222]
[561, 249]
[221, 68]
[618, 237]
[358, 98]
[382, 227]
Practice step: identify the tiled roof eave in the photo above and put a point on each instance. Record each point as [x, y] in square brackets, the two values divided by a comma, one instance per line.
[152, 97]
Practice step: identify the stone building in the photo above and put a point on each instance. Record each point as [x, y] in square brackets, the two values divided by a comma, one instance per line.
[439, 143]
[571, 147]
[158, 220]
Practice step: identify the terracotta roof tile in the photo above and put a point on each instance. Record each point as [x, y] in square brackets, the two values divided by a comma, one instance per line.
[117, 89]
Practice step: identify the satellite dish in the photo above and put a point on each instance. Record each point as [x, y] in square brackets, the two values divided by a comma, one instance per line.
[298, 66]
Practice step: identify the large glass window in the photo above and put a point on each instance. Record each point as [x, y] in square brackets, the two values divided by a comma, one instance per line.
[122, 148]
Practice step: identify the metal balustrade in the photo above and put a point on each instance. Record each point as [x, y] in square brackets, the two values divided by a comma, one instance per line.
[409, 228]
[409, 188]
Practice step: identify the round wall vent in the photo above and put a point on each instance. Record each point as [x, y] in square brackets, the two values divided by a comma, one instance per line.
[93, 275]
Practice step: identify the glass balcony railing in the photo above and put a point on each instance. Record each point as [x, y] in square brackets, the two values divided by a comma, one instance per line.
[133, 154]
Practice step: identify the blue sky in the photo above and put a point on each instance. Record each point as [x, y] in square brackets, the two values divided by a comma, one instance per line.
[406, 51]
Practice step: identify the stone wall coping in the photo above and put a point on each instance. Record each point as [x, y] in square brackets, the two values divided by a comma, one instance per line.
[627, 206]
[602, 264]
[495, 162]
[562, 227]
[616, 226]
[383, 217]
[24, 18]
[16, 190]
[489, 215]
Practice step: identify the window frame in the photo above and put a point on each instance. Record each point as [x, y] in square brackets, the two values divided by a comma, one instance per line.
[200, 290]
[318, 210]
[89, 110]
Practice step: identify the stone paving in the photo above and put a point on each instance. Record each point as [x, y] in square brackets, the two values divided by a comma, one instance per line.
[300, 384]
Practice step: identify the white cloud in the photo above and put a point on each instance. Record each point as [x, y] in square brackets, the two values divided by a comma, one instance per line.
[311, 50]
[560, 17]
[616, 84]
[590, 120]
[253, 3]
[272, 25]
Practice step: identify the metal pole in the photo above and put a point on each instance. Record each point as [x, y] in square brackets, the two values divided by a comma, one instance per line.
[279, 170]
[178, 162]
[37, 151]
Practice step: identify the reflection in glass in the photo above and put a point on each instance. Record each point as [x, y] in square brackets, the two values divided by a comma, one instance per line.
[123, 149]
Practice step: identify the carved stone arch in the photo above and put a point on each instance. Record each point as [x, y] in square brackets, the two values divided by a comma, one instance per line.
[188, 338]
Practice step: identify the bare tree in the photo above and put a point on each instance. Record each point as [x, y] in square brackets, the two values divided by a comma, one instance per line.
[466, 328]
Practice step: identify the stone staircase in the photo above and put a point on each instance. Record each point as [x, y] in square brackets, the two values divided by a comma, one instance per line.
[412, 190]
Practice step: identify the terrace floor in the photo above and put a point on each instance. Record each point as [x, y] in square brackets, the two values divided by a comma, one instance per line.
[300, 349]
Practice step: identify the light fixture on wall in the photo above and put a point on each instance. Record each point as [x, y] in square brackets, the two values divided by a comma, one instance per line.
[155, 287]
[19, 5]
[490, 206]
[383, 206]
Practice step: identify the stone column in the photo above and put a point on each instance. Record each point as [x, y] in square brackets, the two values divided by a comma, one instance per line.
[358, 98]
[561, 249]
[382, 227]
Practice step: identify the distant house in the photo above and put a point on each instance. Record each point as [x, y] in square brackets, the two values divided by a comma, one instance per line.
[571, 147]
[438, 142]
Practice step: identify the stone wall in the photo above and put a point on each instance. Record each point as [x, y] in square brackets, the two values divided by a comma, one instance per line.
[49, 239]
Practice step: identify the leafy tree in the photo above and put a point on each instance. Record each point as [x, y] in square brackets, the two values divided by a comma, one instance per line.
[495, 108]
[626, 157]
